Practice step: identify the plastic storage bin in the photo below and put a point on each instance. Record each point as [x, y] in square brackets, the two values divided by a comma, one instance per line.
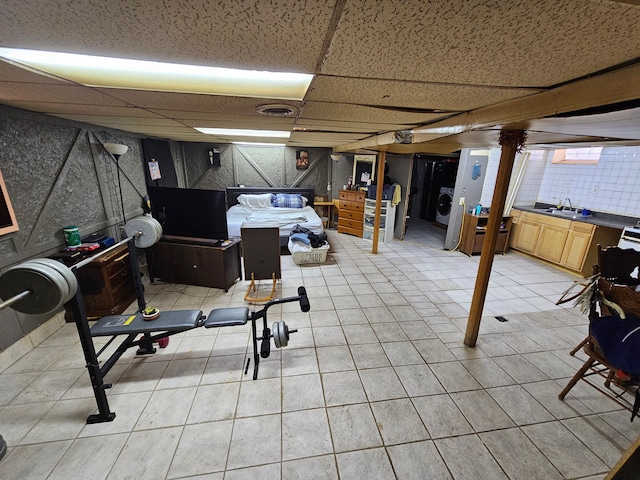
[317, 255]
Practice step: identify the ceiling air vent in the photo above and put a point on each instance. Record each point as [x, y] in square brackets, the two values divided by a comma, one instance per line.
[276, 110]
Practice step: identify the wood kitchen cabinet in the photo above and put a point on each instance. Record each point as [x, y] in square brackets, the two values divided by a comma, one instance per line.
[526, 233]
[552, 239]
[568, 243]
[474, 231]
[106, 285]
[351, 212]
[193, 261]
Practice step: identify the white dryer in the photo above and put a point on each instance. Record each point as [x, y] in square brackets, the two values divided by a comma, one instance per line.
[445, 200]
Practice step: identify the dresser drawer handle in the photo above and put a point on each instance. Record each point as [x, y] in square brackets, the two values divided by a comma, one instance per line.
[122, 257]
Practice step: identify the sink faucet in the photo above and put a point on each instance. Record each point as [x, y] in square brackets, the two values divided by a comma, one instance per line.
[569, 200]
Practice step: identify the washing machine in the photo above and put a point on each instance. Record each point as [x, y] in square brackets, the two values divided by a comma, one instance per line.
[445, 200]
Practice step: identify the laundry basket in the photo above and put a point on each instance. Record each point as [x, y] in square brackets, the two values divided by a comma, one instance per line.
[317, 255]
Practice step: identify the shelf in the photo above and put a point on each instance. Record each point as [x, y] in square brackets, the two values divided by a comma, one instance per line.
[474, 230]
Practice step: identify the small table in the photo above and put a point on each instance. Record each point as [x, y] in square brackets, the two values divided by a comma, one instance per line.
[328, 205]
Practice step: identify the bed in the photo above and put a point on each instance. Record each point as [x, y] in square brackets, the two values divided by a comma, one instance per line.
[252, 204]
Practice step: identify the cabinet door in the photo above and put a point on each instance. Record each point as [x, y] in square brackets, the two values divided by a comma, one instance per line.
[526, 237]
[551, 243]
[575, 250]
[176, 263]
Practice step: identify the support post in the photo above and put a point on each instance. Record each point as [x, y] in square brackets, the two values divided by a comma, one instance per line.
[511, 142]
[379, 190]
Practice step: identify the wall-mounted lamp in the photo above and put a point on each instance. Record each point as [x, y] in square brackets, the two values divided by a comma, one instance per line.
[336, 156]
[117, 150]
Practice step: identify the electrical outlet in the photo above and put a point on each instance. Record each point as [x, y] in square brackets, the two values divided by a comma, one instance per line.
[461, 200]
[594, 189]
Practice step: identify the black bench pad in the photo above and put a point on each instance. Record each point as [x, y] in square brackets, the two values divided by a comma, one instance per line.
[227, 317]
[171, 321]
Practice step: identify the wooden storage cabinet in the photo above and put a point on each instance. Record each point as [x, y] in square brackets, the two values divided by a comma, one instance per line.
[192, 262]
[474, 231]
[350, 218]
[106, 285]
[565, 242]
[577, 245]
[387, 220]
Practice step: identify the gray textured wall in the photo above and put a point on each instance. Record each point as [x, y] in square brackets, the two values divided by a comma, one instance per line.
[57, 173]
[256, 167]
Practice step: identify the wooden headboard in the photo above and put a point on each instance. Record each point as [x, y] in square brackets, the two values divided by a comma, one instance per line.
[234, 192]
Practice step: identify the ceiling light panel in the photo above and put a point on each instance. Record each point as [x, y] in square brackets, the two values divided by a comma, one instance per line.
[165, 77]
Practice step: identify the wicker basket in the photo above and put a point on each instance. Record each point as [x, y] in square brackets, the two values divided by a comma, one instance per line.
[317, 255]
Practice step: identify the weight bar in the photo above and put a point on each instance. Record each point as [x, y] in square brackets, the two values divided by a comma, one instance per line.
[42, 285]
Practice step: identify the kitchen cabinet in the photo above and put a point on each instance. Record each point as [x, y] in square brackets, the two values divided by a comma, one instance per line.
[387, 220]
[567, 243]
[351, 212]
[526, 233]
[552, 239]
[577, 245]
[474, 231]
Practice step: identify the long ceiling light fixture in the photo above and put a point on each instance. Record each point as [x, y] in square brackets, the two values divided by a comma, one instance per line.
[239, 132]
[111, 72]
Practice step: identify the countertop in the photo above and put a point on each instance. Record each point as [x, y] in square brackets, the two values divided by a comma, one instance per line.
[596, 218]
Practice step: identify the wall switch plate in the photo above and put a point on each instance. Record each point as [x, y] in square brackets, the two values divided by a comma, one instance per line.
[461, 200]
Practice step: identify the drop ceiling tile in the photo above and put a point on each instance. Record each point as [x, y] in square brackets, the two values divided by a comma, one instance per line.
[227, 33]
[517, 43]
[34, 92]
[415, 95]
[341, 111]
[193, 102]
[75, 108]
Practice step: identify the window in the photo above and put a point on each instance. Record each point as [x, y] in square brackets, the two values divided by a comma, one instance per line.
[577, 156]
[8, 221]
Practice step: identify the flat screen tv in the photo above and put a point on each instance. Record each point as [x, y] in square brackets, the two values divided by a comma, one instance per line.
[190, 212]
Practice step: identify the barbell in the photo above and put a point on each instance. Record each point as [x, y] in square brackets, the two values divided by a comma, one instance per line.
[42, 285]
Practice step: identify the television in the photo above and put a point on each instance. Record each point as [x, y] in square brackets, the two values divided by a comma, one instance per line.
[190, 212]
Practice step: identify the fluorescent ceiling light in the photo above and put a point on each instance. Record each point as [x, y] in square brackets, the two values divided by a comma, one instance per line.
[259, 144]
[110, 72]
[238, 132]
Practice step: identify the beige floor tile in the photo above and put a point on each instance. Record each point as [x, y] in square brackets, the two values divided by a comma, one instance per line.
[305, 434]
[264, 431]
[353, 427]
[518, 456]
[441, 416]
[312, 468]
[398, 422]
[568, 454]
[202, 449]
[372, 463]
[477, 462]
[302, 392]
[418, 461]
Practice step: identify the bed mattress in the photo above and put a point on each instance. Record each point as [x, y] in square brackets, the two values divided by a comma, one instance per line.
[286, 218]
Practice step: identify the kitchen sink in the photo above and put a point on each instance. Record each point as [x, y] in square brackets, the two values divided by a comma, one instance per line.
[565, 212]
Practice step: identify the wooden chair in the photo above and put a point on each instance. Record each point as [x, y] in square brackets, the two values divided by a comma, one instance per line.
[615, 266]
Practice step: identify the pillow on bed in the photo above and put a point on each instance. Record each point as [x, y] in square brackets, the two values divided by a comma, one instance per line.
[262, 200]
[289, 200]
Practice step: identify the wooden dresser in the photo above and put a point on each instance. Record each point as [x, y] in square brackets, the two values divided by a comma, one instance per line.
[351, 212]
[106, 285]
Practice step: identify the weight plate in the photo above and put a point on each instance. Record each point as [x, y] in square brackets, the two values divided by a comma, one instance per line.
[275, 330]
[144, 230]
[45, 284]
[55, 276]
[66, 272]
[284, 335]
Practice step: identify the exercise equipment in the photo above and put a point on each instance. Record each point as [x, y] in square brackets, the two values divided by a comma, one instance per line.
[38, 287]
[42, 285]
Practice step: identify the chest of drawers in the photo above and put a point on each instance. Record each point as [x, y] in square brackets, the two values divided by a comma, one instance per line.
[351, 212]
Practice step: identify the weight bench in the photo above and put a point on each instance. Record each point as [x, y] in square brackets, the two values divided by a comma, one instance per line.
[172, 322]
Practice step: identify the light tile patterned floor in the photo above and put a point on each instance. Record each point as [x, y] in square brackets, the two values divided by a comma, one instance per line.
[376, 383]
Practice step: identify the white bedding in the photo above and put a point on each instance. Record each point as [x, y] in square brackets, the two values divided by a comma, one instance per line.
[286, 218]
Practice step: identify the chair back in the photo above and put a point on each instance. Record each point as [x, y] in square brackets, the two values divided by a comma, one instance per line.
[619, 265]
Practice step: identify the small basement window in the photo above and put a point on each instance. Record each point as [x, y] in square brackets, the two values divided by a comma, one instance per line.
[8, 221]
[577, 156]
